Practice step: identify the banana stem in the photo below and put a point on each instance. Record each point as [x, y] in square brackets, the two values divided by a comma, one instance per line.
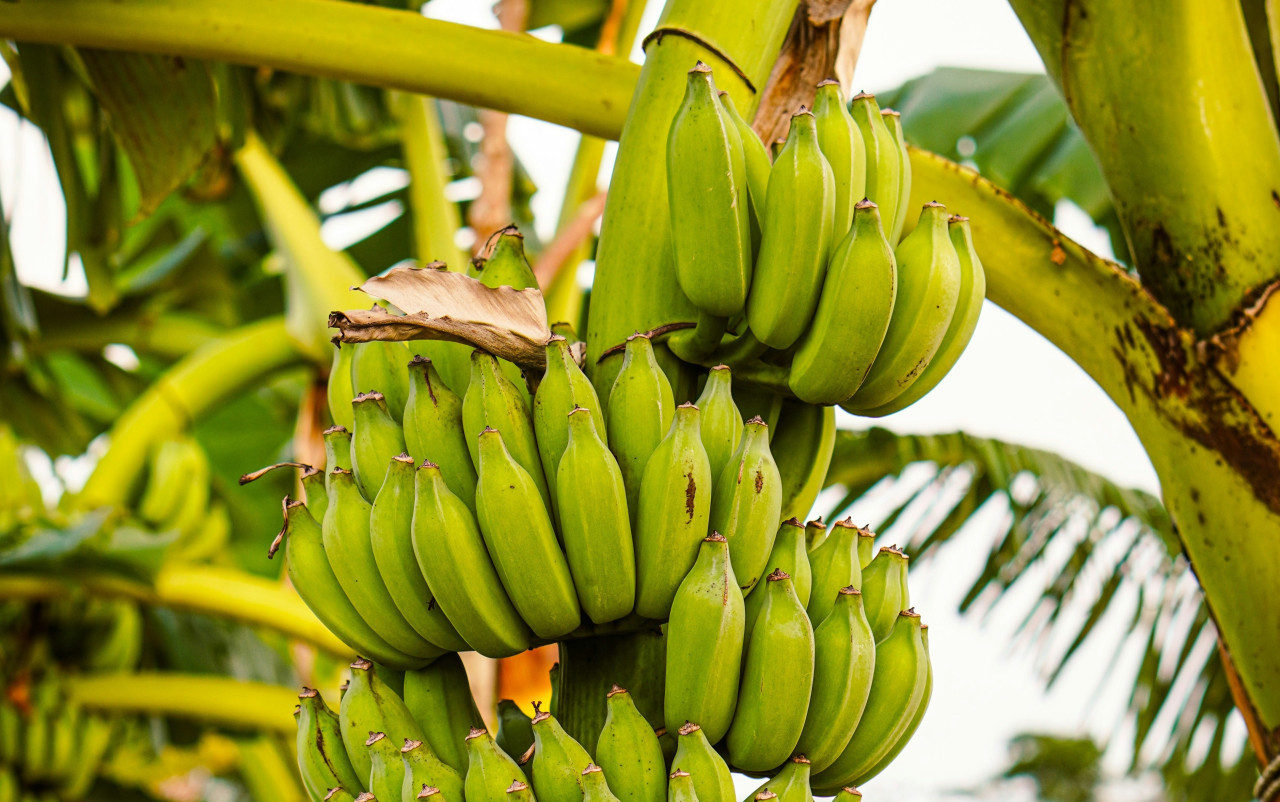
[168, 335]
[435, 217]
[217, 700]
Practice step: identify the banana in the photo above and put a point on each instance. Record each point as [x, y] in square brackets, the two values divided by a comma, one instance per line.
[519, 792]
[883, 157]
[721, 420]
[815, 534]
[629, 752]
[746, 506]
[36, 734]
[493, 402]
[790, 556]
[929, 281]
[905, 738]
[370, 706]
[64, 726]
[96, 737]
[564, 388]
[340, 795]
[10, 732]
[897, 690]
[453, 558]
[350, 553]
[675, 506]
[337, 453]
[791, 784]
[758, 163]
[386, 768]
[884, 590]
[339, 390]
[322, 757]
[841, 144]
[844, 663]
[893, 121]
[422, 768]
[835, 565]
[866, 547]
[708, 197]
[680, 787]
[558, 761]
[712, 780]
[439, 697]
[391, 535]
[433, 429]
[639, 414]
[489, 771]
[704, 644]
[594, 523]
[777, 675]
[515, 729]
[121, 639]
[175, 468]
[375, 440]
[380, 366]
[595, 788]
[507, 266]
[836, 353]
[973, 288]
[798, 227]
[313, 577]
[314, 491]
[522, 542]
[802, 445]
[849, 794]
[10, 789]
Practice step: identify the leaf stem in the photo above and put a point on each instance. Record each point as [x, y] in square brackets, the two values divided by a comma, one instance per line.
[213, 699]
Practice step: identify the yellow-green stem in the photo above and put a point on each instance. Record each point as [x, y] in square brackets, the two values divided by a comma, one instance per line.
[435, 217]
[212, 699]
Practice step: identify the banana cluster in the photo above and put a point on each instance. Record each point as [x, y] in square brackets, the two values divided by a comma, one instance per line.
[176, 500]
[796, 260]
[49, 747]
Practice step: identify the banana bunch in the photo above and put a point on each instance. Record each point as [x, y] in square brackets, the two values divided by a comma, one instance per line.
[800, 263]
[177, 500]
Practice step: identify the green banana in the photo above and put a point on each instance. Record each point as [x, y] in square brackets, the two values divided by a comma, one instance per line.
[835, 565]
[493, 402]
[897, 691]
[836, 353]
[10, 732]
[96, 737]
[386, 768]
[704, 644]
[380, 366]
[791, 784]
[439, 697]
[884, 590]
[849, 794]
[815, 534]
[798, 227]
[121, 639]
[391, 535]
[519, 535]
[973, 289]
[64, 726]
[519, 792]
[841, 143]
[489, 771]
[640, 411]
[884, 159]
[314, 491]
[176, 467]
[430, 791]
[629, 752]
[777, 675]
[708, 197]
[594, 523]
[928, 292]
[712, 780]
[337, 453]
[844, 663]
[322, 756]
[341, 795]
[350, 553]
[789, 555]
[757, 160]
[680, 787]
[802, 445]
[423, 769]
[746, 505]
[721, 420]
[507, 266]
[866, 547]
[313, 577]
[594, 786]
[375, 440]
[675, 507]
[905, 738]
[564, 388]
[10, 789]
[36, 735]
[893, 121]
[453, 558]
[515, 729]
[370, 706]
[558, 761]
[338, 389]
[433, 429]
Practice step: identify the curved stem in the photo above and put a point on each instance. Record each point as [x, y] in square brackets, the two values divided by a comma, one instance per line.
[217, 700]
[171, 335]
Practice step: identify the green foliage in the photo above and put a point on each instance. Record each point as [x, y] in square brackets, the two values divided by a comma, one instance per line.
[1064, 769]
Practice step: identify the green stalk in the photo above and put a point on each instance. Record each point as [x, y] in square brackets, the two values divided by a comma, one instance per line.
[168, 335]
[590, 666]
[216, 700]
[435, 218]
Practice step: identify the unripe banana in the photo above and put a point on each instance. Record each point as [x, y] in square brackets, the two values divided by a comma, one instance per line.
[897, 690]
[905, 738]
[883, 156]
[432, 793]
[708, 197]
[339, 390]
[788, 555]
[594, 523]
[422, 767]
[10, 732]
[175, 468]
[777, 675]
[675, 506]
[841, 143]
[802, 447]
[711, 780]
[594, 786]
[884, 590]
[928, 292]
[10, 790]
[350, 552]
[515, 729]
[391, 535]
[375, 440]
[379, 366]
[973, 288]
[314, 492]
[386, 767]
[439, 697]
[835, 565]
[452, 556]
[121, 642]
[837, 351]
[314, 579]
[96, 738]
[507, 266]
[680, 787]
[844, 663]
[322, 757]
[64, 725]
[489, 771]
[340, 795]
[522, 542]
[747, 504]
[704, 644]
[520, 792]
[640, 410]
[433, 429]
[893, 121]
[849, 794]
[37, 735]
[629, 752]
[791, 784]
[721, 420]
[493, 402]
[558, 761]
[866, 547]
[337, 452]
[796, 238]
[815, 534]
[758, 163]
[370, 706]
[564, 387]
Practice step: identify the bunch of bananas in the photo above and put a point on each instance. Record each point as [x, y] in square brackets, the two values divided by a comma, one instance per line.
[796, 262]
[177, 500]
